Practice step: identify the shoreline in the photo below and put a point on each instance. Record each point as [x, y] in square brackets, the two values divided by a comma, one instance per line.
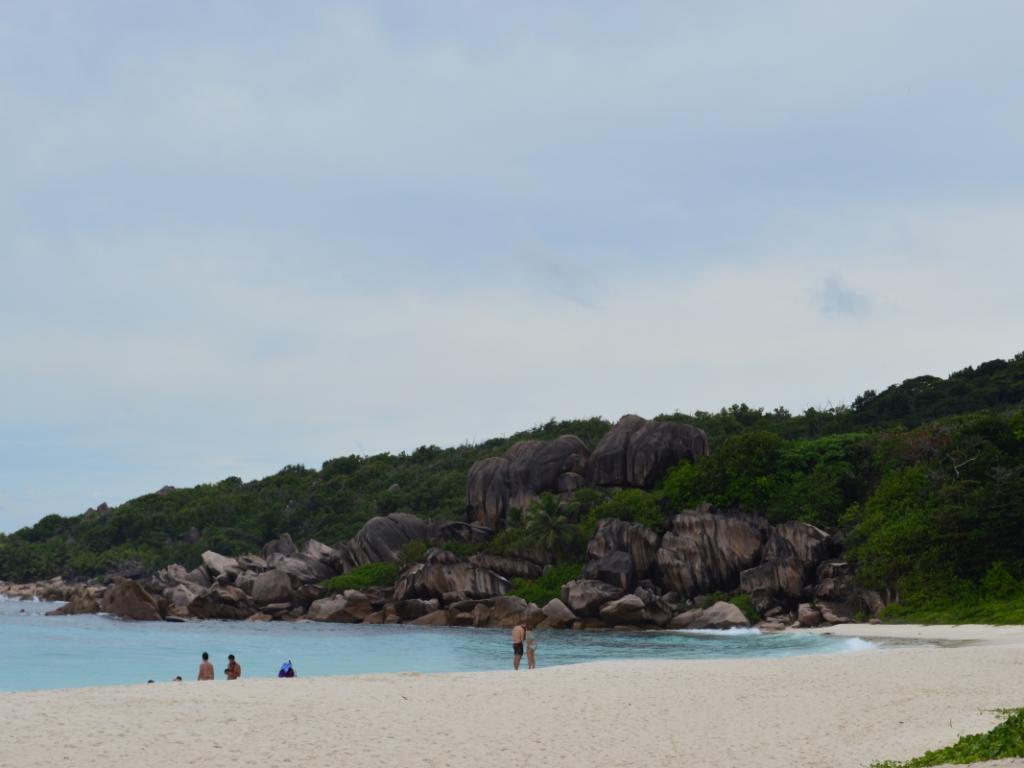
[841, 709]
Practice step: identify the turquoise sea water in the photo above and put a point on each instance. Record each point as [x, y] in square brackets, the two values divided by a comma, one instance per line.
[74, 651]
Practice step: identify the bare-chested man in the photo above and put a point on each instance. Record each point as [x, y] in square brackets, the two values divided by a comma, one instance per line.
[518, 635]
[234, 670]
[205, 668]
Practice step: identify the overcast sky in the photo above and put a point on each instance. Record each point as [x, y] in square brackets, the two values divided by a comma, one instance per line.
[235, 236]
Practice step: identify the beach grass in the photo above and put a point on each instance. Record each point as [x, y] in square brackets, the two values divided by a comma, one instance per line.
[1005, 740]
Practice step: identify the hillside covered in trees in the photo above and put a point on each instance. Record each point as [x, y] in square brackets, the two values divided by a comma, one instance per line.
[923, 483]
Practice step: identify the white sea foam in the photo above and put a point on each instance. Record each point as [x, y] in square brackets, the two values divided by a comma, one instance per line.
[731, 632]
[858, 644]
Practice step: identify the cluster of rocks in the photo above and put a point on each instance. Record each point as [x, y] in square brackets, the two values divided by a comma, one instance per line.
[634, 577]
[634, 453]
[704, 552]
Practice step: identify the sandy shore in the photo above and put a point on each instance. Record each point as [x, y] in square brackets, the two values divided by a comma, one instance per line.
[830, 710]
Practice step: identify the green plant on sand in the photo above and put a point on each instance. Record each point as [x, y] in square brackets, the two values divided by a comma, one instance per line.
[1005, 740]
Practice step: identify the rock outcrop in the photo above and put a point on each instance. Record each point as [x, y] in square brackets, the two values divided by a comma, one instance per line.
[705, 552]
[780, 578]
[528, 469]
[615, 568]
[282, 545]
[302, 568]
[82, 600]
[721, 615]
[221, 602]
[658, 446]
[129, 600]
[608, 462]
[381, 539]
[437, 580]
[584, 597]
[347, 608]
[273, 586]
[802, 541]
[489, 489]
[639, 542]
[628, 609]
[558, 614]
[635, 452]
[219, 566]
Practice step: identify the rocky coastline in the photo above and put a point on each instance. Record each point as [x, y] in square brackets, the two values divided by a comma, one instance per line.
[634, 577]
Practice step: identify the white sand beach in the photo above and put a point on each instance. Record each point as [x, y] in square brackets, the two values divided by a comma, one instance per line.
[827, 710]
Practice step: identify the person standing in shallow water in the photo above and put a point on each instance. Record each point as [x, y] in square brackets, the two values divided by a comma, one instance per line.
[518, 635]
[205, 668]
[234, 670]
[531, 649]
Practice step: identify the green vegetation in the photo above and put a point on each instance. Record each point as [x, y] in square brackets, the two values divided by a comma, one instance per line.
[1005, 740]
[363, 577]
[549, 586]
[630, 504]
[809, 479]
[234, 517]
[924, 482]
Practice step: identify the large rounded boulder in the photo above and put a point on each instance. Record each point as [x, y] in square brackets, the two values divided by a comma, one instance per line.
[584, 597]
[565, 454]
[129, 600]
[489, 487]
[273, 586]
[658, 446]
[381, 539]
[705, 551]
[528, 469]
[636, 540]
[607, 466]
[437, 580]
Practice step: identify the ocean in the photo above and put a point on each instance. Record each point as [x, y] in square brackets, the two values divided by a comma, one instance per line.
[43, 652]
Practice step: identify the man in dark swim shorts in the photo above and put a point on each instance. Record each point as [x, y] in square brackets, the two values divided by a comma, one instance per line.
[518, 635]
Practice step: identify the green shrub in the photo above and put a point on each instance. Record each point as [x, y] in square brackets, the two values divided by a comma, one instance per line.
[1005, 740]
[547, 587]
[746, 604]
[630, 504]
[412, 552]
[998, 583]
[371, 575]
[461, 548]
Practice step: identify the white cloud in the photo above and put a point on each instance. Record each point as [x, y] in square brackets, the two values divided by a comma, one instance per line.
[284, 236]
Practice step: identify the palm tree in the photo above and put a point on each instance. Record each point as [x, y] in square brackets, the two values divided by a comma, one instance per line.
[549, 527]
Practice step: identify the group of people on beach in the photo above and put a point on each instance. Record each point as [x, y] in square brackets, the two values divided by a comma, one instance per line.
[233, 671]
[522, 636]
[523, 639]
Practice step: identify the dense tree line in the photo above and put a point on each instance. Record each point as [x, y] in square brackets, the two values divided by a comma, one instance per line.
[924, 482]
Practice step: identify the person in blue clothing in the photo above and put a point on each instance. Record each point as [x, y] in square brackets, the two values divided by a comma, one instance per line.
[287, 670]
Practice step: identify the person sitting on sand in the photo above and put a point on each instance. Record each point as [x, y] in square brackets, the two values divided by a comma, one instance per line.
[234, 670]
[286, 670]
[518, 635]
[205, 668]
[531, 649]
